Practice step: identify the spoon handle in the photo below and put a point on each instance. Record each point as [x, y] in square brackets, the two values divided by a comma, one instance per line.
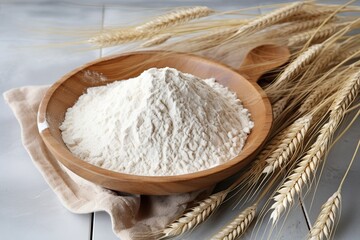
[262, 59]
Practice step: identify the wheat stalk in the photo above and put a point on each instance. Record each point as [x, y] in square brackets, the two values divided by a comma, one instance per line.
[271, 18]
[326, 219]
[175, 18]
[309, 163]
[293, 137]
[157, 40]
[315, 35]
[195, 216]
[237, 227]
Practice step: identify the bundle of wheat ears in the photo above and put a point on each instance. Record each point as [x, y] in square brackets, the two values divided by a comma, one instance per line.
[310, 95]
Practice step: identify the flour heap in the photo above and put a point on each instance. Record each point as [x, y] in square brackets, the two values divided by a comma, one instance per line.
[161, 123]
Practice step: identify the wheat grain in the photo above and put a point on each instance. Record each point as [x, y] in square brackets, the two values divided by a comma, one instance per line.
[325, 221]
[315, 35]
[306, 16]
[259, 163]
[293, 137]
[114, 38]
[157, 40]
[279, 107]
[298, 26]
[175, 18]
[271, 18]
[347, 94]
[318, 94]
[238, 226]
[324, 60]
[345, 54]
[195, 216]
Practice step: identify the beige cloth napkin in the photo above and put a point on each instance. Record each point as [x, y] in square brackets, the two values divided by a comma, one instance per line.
[130, 215]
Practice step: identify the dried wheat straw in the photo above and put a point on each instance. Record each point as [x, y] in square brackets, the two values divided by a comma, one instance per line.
[315, 35]
[157, 40]
[293, 137]
[218, 35]
[237, 227]
[195, 216]
[326, 219]
[175, 18]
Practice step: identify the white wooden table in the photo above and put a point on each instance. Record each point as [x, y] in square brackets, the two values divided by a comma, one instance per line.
[29, 209]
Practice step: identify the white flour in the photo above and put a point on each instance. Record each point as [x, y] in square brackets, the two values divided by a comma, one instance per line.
[163, 122]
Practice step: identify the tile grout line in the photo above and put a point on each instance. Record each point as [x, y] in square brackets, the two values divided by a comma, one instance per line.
[92, 220]
[306, 215]
[102, 26]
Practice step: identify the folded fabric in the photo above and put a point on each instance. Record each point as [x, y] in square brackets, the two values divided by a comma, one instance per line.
[131, 215]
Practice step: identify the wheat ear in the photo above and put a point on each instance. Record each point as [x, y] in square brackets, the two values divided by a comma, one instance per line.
[346, 94]
[175, 18]
[327, 56]
[259, 163]
[309, 163]
[271, 18]
[304, 15]
[114, 38]
[315, 35]
[298, 65]
[237, 227]
[157, 40]
[293, 137]
[326, 219]
[319, 94]
[279, 107]
[195, 216]
[299, 26]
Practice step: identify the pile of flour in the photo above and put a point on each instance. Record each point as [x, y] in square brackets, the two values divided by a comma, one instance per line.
[161, 123]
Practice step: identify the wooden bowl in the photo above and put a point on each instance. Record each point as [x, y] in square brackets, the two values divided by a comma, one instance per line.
[65, 92]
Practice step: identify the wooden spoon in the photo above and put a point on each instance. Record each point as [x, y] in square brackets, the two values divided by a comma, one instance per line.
[65, 92]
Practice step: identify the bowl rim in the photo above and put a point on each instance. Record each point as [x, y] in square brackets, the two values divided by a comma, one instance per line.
[70, 159]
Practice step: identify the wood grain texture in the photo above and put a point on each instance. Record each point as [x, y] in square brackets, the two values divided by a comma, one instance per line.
[65, 92]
